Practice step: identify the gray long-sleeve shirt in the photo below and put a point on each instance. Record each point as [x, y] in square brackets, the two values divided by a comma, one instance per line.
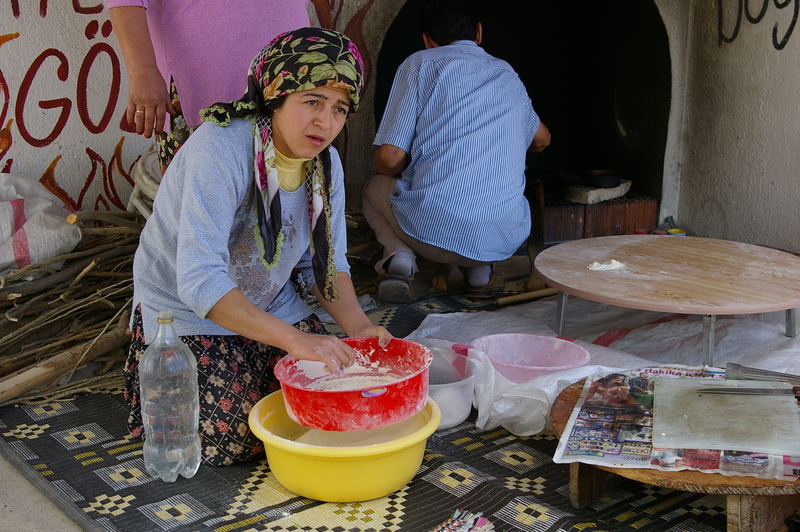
[199, 243]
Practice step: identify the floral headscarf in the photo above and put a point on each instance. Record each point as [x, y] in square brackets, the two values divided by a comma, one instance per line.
[295, 61]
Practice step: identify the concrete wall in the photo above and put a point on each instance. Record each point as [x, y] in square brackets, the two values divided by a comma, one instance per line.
[676, 16]
[739, 173]
[62, 97]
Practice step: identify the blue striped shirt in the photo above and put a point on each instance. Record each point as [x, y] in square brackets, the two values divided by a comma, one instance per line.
[466, 121]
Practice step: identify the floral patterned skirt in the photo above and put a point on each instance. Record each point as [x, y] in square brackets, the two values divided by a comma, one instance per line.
[233, 374]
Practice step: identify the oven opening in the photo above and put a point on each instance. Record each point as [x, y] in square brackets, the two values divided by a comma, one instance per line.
[598, 74]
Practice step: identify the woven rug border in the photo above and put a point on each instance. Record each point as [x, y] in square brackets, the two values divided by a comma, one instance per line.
[45, 486]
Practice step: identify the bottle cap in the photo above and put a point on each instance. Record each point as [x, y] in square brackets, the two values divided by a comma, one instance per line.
[165, 316]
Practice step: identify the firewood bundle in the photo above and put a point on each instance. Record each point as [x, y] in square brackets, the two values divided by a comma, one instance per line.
[54, 321]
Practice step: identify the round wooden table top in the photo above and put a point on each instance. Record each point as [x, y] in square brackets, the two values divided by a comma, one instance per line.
[687, 480]
[684, 274]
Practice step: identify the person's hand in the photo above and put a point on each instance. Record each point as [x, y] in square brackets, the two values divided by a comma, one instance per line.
[148, 102]
[330, 350]
[384, 336]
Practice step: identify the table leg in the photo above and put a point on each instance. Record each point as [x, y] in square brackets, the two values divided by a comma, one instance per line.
[791, 323]
[709, 323]
[747, 513]
[562, 311]
[587, 483]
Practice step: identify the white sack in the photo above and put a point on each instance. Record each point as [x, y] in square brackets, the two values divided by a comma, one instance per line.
[33, 224]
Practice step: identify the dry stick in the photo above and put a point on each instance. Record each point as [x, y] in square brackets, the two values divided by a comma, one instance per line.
[10, 368]
[70, 287]
[120, 323]
[55, 323]
[81, 275]
[32, 348]
[32, 271]
[526, 296]
[50, 345]
[25, 380]
[111, 230]
[70, 392]
[15, 314]
[120, 214]
[89, 321]
[126, 264]
[66, 310]
[59, 258]
[111, 362]
[31, 287]
[102, 216]
[110, 275]
[18, 290]
[105, 302]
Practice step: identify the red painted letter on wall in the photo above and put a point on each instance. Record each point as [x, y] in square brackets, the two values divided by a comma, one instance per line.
[62, 72]
[82, 96]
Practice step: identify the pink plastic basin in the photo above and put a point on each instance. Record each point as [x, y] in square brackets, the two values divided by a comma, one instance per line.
[359, 408]
[521, 357]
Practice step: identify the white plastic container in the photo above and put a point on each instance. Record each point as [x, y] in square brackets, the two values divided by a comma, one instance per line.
[451, 383]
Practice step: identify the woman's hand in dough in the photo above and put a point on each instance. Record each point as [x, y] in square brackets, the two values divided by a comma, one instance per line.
[384, 336]
[330, 350]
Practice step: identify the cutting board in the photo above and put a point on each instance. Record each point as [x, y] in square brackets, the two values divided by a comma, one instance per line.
[684, 419]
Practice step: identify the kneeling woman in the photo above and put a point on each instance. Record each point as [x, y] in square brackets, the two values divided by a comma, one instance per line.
[254, 195]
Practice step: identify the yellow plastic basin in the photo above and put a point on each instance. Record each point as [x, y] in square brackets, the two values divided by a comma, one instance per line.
[339, 474]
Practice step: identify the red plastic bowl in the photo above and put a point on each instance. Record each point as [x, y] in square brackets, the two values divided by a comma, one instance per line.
[360, 408]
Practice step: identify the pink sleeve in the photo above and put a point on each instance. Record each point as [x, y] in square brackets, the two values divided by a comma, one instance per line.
[124, 3]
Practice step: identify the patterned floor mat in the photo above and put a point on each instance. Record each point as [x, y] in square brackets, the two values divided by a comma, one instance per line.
[79, 453]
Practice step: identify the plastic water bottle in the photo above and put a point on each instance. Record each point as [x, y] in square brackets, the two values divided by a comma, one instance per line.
[170, 405]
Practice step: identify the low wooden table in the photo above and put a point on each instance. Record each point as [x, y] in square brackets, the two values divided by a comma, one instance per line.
[753, 504]
[689, 275]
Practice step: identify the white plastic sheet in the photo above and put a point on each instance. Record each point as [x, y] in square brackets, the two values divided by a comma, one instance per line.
[630, 338]
[522, 409]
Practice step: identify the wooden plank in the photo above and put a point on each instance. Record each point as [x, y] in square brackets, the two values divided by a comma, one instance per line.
[25, 380]
[767, 513]
[587, 484]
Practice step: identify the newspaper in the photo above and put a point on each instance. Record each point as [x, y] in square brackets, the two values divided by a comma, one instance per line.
[612, 424]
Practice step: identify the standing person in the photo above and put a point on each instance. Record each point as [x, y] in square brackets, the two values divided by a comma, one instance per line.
[451, 156]
[254, 194]
[184, 55]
